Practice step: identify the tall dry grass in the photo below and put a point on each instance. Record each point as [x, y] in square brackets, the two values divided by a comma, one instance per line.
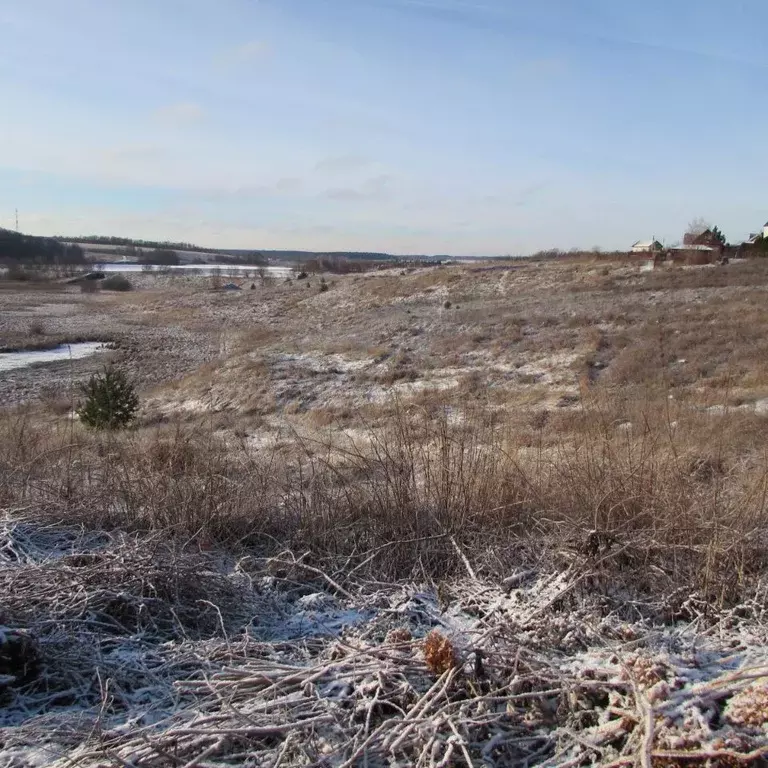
[656, 495]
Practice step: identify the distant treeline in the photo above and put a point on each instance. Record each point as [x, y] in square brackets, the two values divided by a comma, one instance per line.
[127, 245]
[255, 258]
[300, 256]
[340, 265]
[161, 256]
[354, 255]
[130, 242]
[28, 250]
[169, 257]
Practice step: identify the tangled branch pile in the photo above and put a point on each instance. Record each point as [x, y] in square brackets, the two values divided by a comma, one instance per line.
[135, 651]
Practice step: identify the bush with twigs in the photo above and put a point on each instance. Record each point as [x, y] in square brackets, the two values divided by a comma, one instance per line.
[118, 283]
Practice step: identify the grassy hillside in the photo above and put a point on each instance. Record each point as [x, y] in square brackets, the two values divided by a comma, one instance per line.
[508, 514]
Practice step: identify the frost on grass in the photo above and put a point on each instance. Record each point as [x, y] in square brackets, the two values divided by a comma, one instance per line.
[122, 650]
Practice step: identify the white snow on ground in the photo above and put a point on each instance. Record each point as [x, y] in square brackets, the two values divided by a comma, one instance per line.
[322, 362]
[143, 649]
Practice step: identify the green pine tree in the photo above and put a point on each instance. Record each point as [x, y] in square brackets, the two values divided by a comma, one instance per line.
[111, 401]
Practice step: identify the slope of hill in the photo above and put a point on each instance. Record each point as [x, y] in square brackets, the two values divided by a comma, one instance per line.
[16, 248]
[126, 246]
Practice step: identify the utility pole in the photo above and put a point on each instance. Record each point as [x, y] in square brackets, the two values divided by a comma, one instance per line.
[17, 219]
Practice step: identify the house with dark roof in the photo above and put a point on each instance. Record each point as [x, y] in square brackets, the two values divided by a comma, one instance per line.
[646, 246]
[701, 240]
[754, 237]
[699, 247]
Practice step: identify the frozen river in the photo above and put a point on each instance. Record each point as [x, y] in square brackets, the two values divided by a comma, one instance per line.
[10, 361]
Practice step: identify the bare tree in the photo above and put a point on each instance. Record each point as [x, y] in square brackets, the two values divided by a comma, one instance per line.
[698, 226]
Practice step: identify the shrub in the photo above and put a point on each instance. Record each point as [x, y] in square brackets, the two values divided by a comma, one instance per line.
[111, 401]
[90, 286]
[160, 256]
[117, 283]
[18, 274]
[323, 285]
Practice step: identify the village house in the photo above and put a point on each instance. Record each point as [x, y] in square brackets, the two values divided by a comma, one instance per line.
[646, 246]
[705, 247]
[706, 240]
[754, 237]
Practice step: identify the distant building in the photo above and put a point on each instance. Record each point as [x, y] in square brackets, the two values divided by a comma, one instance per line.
[646, 246]
[701, 240]
[754, 237]
[695, 253]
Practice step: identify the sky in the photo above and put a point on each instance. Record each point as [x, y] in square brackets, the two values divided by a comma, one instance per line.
[468, 127]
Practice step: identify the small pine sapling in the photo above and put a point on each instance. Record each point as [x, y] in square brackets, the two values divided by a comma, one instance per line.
[111, 401]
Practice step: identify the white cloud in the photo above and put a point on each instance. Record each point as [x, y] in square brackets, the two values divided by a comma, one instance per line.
[182, 112]
[376, 188]
[283, 187]
[133, 153]
[288, 185]
[342, 163]
[242, 55]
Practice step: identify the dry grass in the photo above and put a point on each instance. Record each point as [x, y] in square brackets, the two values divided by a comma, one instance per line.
[560, 398]
[671, 495]
[578, 420]
[136, 650]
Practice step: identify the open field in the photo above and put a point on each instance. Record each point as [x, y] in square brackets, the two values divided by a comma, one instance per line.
[559, 466]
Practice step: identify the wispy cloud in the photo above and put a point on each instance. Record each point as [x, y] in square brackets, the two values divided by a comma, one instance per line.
[133, 153]
[286, 186]
[529, 193]
[242, 55]
[376, 188]
[342, 163]
[181, 112]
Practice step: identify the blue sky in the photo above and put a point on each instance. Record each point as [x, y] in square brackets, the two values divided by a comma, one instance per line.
[431, 126]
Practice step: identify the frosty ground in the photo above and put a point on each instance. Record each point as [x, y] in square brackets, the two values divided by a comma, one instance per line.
[508, 514]
[145, 653]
